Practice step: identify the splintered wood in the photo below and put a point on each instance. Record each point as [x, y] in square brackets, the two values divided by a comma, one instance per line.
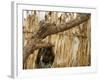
[71, 47]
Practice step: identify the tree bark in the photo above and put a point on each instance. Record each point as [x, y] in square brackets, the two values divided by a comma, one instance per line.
[47, 29]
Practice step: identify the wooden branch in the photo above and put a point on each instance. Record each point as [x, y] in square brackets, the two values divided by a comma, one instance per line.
[47, 29]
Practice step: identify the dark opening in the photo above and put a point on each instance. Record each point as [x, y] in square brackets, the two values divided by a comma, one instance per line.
[45, 58]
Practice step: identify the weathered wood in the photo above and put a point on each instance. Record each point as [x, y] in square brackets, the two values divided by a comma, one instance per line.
[47, 29]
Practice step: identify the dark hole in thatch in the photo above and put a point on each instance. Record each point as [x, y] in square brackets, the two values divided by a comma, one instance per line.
[45, 58]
